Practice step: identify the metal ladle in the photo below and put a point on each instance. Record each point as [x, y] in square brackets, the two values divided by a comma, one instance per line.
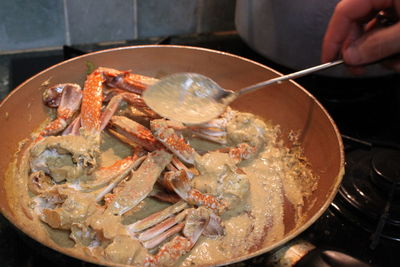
[192, 98]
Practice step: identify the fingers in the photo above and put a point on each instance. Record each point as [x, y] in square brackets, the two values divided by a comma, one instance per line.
[392, 63]
[348, 14]
[373, 46]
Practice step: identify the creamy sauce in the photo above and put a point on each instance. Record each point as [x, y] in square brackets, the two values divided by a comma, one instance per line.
[255, 190]
[184, 98]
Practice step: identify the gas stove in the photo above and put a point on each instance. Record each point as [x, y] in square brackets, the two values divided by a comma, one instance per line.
[363, 220]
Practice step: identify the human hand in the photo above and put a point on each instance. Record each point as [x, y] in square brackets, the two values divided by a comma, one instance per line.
[354, 32]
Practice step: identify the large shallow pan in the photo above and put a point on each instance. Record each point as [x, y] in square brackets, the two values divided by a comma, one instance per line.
[286, 104]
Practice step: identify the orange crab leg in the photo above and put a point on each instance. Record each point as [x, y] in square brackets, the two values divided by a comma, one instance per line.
[172, 140]
[117, 171]
[92, 102]
[170, 252]
[135, 132]
[179, 182]
[152, 243]
[125, 80]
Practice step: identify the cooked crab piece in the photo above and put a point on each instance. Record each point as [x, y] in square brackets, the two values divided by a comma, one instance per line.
[232, 129]
[61, 207]
[154, 237]
[69, 157]
[125, 250]
[105, 224]
[52, 96]
[39, 182]
[114, 173]
[93, 94]
[84, 235]
[68, 105]
[241, 152]
[140, 183]
[195, 223]
[214, 130]
[245, 128]
[176, 165]
[138, 115]
[114, 179]
[135, 132]
[92, 103]
[73, 127]
[165, 131]
[126, 80]
[220, 177]
[64, 157]
[134, 100]
[180, 184]
[157, 217]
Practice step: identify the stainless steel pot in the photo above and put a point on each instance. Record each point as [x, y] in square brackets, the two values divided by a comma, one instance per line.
[290, 32]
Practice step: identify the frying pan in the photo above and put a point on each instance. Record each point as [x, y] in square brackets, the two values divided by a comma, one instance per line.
[286, 104]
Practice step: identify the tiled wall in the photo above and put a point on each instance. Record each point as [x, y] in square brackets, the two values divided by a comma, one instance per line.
[31, 24]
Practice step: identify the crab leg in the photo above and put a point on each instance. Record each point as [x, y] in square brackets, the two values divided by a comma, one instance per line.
[174, 142]
[141, 183]
[73, 127]
[178, 165]
[135, 132]
[115, 102]
[109, 111]
[160, 228]
[152, 243]
[195, 224]
[118, 179]
[92, 102]
[116, 171]
[138, 102]
[157, 217]
[128, 81]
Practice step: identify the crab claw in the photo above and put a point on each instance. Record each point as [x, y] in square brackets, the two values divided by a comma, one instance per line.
[69, 103]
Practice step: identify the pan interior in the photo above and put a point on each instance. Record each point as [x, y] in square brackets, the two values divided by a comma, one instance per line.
[287, 105]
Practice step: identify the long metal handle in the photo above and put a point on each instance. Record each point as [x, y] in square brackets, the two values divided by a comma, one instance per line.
[289, 76]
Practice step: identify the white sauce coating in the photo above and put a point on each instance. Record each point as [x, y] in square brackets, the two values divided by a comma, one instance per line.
[184, 98]
[255, 218]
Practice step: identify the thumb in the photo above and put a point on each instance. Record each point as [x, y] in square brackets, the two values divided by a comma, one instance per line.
[373, 46]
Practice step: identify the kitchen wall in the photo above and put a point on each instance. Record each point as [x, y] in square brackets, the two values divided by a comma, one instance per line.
[33, 24]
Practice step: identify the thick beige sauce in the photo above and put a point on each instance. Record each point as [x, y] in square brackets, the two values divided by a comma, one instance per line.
[255, 217]
[184, 98]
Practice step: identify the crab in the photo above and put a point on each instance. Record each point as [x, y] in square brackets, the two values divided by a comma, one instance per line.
[163, 164]
[75, 153]
[67, 99]
[186, 227]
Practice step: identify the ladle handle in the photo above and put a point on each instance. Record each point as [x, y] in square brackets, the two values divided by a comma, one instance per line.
[289, 76]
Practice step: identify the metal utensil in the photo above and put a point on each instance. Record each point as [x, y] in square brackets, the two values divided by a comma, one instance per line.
[193, 98]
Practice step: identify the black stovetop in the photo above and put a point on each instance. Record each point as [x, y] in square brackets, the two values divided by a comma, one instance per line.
[367, 113]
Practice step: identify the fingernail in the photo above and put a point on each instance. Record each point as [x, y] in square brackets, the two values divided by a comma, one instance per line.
[352, 55]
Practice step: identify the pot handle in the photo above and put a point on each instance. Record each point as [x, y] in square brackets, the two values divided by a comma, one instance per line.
[300, 253]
